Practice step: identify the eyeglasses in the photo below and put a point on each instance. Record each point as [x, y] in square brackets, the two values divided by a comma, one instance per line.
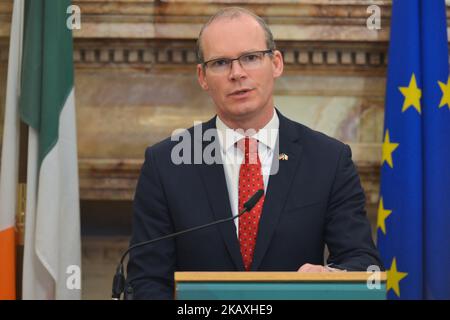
[248, 61]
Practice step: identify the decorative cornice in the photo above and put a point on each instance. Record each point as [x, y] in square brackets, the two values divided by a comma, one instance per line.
[147, 54]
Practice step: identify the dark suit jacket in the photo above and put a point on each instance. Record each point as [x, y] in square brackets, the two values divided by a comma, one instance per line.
[314, 200]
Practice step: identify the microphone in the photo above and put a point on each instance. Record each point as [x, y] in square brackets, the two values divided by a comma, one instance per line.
[119, 278]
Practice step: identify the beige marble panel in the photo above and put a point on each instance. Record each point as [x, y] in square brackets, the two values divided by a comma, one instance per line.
[349, 108]
[344, 118]
[327, 84]
[330, 115]
[119, 114]
[371, 121]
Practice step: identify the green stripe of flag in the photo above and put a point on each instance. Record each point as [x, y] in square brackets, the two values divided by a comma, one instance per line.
[47, 65]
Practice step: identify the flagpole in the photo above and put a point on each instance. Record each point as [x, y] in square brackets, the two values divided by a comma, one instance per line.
[21, 207]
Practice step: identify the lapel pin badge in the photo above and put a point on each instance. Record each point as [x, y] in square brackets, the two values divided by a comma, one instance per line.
[283, 156]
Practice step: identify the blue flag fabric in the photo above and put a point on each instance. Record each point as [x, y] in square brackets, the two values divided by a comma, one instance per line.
[414, 209]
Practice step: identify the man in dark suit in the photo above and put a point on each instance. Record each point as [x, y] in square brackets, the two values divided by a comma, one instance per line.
[313, 196]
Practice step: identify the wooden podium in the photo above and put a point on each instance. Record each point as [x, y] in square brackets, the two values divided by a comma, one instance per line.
[279, 286]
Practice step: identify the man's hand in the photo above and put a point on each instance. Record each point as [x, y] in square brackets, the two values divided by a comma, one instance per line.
[307, 267]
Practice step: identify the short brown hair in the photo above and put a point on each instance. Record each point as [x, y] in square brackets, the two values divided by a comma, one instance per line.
[231, 13]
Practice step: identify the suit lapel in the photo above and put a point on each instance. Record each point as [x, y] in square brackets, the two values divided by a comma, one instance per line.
[278, 188]
[213, 177]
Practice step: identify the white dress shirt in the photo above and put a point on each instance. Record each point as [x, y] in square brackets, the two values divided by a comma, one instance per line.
[232, 156]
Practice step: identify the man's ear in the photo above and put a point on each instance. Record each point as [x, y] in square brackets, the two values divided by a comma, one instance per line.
[277, 63]
[201, 77]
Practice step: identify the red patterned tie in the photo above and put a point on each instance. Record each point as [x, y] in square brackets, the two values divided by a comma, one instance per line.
[250, 180]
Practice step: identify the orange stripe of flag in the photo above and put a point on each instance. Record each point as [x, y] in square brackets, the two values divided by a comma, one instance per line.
[7, 264]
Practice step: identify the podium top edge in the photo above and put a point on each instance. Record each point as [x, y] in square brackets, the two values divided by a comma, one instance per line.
[277, 276]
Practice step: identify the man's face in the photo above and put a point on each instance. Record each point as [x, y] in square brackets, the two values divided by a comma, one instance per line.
[239, 93]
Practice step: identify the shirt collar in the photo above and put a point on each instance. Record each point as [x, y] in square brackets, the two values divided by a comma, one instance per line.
[267, 135]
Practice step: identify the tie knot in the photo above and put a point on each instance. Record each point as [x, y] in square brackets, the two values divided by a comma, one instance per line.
[249, 147]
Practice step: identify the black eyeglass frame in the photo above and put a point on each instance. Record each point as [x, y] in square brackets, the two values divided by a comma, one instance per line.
[230, 60]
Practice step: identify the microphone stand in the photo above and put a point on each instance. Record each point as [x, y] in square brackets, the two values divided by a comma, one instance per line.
[119, 278]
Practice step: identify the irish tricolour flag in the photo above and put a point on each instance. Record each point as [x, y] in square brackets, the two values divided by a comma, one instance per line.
[44, 99]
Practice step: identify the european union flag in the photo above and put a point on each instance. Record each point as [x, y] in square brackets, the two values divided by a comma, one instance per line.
[414, 209]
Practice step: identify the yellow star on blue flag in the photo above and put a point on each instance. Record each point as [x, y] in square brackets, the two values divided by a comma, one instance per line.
[394, 277]
[445, 88]
[388, 148]
[383, 213]
[412, 95]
